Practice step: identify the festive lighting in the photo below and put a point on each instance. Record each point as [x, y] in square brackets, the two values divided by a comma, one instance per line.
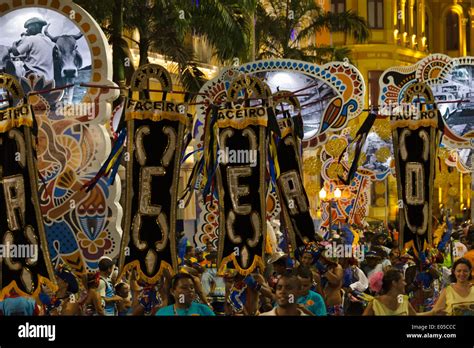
[322, 193]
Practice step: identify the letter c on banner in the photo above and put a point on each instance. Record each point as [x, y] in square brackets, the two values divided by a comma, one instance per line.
[146, 173]
[140, 153]
[170, 147]
[250, 134]
[256, 225]
[230, 228]
[146, 208]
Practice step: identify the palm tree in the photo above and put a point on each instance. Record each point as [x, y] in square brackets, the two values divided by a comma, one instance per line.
[167, 26]
[284, 29]
[109, 15]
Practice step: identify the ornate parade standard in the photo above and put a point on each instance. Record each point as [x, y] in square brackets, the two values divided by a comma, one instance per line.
[408, 100]
[242, 129]
[416, 139]
[155, 143]
[333, 94]
[24, 261]
[291, 192]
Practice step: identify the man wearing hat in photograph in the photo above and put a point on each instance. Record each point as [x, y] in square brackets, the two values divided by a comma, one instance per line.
[36, 48]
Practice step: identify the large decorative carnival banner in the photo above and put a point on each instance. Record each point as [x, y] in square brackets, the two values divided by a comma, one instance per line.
[416, 139]
[24, 263]
[55, 44]
[156, 132]
[242, 128]
[427, 105]
[330, 96]
[289, 171]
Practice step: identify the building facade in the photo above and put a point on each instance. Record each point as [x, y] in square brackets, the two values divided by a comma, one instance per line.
[402, 33]
[405, 31]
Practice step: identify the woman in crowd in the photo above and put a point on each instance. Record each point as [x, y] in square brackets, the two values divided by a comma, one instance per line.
[183, 292]
[458, 297]
[393, 300]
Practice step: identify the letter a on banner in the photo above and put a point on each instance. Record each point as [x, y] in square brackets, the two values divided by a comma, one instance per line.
[156, 132]
[288, 173]
[21, 222]
[242, 129]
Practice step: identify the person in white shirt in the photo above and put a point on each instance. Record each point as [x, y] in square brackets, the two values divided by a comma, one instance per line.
[362, 283]
[355, 281]
[36, 48]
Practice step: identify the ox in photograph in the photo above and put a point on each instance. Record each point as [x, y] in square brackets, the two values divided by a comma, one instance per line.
[48, 44]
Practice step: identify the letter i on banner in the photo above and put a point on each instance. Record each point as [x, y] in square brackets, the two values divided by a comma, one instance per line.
[21, 222]
[291, 193]
[241, 169]
[155, 141]
[416, 139]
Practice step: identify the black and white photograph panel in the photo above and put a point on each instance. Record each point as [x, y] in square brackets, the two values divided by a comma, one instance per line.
[455, 99]
[46, 43]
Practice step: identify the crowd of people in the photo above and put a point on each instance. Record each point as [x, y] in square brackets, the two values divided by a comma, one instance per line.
[311, 281]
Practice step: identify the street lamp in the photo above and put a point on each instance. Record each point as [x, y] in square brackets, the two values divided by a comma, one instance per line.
[322, 197]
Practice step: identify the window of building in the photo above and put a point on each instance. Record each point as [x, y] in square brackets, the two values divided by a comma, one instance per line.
[374, 77]
[338, 6]
[375, 14]
[452, 31]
